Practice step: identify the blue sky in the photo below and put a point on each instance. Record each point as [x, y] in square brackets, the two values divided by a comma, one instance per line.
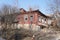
[42, 5]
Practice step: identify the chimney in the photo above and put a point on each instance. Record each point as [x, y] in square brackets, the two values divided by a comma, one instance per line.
[30, 9]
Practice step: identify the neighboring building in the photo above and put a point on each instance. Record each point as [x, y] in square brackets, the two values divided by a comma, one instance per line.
[33, 19]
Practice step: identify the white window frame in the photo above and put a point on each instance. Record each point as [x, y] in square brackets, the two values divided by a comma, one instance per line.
[25, 16]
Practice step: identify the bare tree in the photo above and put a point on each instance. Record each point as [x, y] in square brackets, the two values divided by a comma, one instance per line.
[8, 14]
[55, 9]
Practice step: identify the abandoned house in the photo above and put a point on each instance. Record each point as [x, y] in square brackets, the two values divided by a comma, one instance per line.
[33, 19]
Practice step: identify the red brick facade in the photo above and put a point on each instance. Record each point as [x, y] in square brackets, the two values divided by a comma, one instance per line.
[29, 19]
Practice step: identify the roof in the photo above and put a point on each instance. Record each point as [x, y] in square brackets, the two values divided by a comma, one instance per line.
[40, 13]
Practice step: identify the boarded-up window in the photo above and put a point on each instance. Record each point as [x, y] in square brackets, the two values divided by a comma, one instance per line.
[31, 18]
[49, 21]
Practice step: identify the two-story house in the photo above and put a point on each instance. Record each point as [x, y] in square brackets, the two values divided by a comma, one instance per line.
[33, 19]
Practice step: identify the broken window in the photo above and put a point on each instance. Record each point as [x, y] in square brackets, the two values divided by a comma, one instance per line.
[39, 19]
[49, 21]
[45, 20]
[25, 18]
[31, 18]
